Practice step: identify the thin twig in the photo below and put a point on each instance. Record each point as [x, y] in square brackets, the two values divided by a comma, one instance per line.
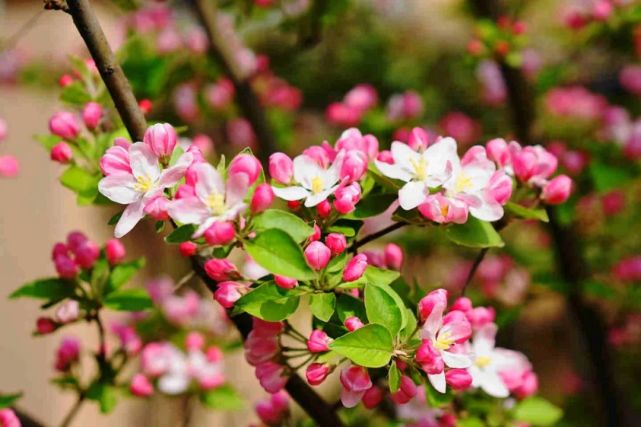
[470, 275]
[371, 237]
[73, 411]
[12, 40]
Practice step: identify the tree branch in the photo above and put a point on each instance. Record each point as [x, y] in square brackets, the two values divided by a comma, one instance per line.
[246, 97]
[371, 237]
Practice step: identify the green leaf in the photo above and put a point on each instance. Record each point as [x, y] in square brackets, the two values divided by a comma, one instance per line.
[474, 234]
[128, 300]
[470, 422]
[436, 399]
[181, 234]
[394, 378]
[278, 253]
[537, 412]
[81, 182]
[114, 219]
[385, 307]
[372, 205]
[375, 275]
[527, 213]
[370, 346]
[47, 289]
[410, 324]
[348, 306]
[47, 141]
[322, 305]
[75, 94]
[99, 276]
[282, 220]
[104, 394]
[122, 273]
[269, 302]
[348, 227]
[608, 177]
[223, 398]
[7, 400]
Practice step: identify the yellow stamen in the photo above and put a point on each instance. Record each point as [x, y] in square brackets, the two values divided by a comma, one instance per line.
[462, 183]
[482, 361]
[420, 168]
[317, 185]
[443, 342]
[216, 203]
[143, 184]
[445, 209]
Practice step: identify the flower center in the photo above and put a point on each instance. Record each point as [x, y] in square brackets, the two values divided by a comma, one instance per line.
[143, 184]
[482, 361]
[445, 209]
[443, 342]
[317, 185]
[420, 168]
[216, 204]
[462, 184]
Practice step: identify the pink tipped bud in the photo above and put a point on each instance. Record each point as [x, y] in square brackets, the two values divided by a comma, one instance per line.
[67, 312]
[557, 190]
[221, 270]
[64, 125]
[500, 187]
[246, 164]
[316, 234]
[228, 293]
[61, 153]
[354, 165]
[406, 391]
[318, 341]
[498, 151]
[140, 386]
[355, 268]
[285, 282]
[65, 267]
[65, 80]
[75, 239]
[317, 255]
[316, 373]
[463, 304]
[385, 156]
[281, 168]
[59, 249]
[373, 397]
[353, 323]
[458, 379]
[262, 199]
[145, 105]
[393, 256]
[115, 251]
[188, 249]
[91, 114]
[272, 376]
[324, 209]
[336, 243]
[435, 301]
[194, 341]
[161, 138]
[214, 354]
[87, 254]
[45, 325]
[220, 233]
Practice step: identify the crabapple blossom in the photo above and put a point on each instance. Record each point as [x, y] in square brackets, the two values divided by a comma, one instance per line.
[406, 391]
[221, 269]
[141, 386]
[9, 166]
[393, 256]
[262, 199]
[115, 251]
[317, 372]
[318, 341]
[336, 243]
[353, 323]
[285, 282]
[272, 376]
[317, 255]
[355, 381]
[227, 293]
[67, 312]
[273, 410]
[61, 153]
[281, 168]
[220, 233]
[65, 125]
[355, 268]
[67, 354]
[557, 190]
[91, 114]
[373, 397]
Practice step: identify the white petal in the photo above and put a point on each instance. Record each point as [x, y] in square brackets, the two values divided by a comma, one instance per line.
[173, 383]
[487, 211]
[208, 222]
[189, 210]
[290, 193]
[172, 175]
[403, 155]
[314, 199]
[130, 217]
[306, 169]
[484, 340]
[442, 161]
[349, 398]
[119, 188]
[208, 181]
[236, 188]
[456, 360]
[394, 171]
[492, 384]
[143, 161]
[411, 195]
[438, 381]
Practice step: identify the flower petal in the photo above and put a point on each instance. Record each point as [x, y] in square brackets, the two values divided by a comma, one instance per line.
[130, 217]
[438, 381]
[394, 171]
[491, 383]
[189, 210]
[119, 188]
[208, 181]
[290, 193]
[456, 360]
[236, 188]
[172, 175]
[411, 195]
[144, 162]
[306, 169]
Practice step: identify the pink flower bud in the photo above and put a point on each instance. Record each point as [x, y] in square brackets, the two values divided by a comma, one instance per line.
[8, 418]
[602, 10]
[529, 385]
[317, 255]
[316, 234]
[220, 233]
[65, 267]
[59, 249]
[115, 251]
[318, 341]
[354, 166]
[341, 114]
[361, 97]
[324, 209]
[161, 138]
[336, 243]
[434, 302]
[373, 397]
[61, 153]
[480, 316]
[557, 190]
[91, 114]
[355, 268]
[67, 312]
[214, 354]
[221, 270]
[68, 353]
[458, 379]
[273, 410]
[87, 254]
[316, 373]
[281, 168]
[393, 256]
[271, 376]
[344, 205]
[64, 125]
[229, 292]
[524, 163]
[385, 156]
[353, 323]
[294, 204]
[429, 358]
[188, 249]
[157, 208]
[285, 282]
[355, 381]
[406, 391]
[246, 164]
[140, 386]
[497, 150]
[500, 187]
[220, 94]
[75, 239]
[45, 325]
[65, 80]
[463, 304]
[262, 199]
[9, 166]
[419, 139]
[194, 341]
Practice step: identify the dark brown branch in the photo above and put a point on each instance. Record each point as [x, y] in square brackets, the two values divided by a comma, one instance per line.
[470, 275]
[371, 237]
[246, 97]
[117, 84]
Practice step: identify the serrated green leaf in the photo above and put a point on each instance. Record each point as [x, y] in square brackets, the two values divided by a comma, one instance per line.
[385, 307]
[181, 234]
[282, 220]
[322, 305]
[474, 234]
[48, 289]
[75, 94]
[128, 300]
[370, 346]
[269, 302]
[278, 253]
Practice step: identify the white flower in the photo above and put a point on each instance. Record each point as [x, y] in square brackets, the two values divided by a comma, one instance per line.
[145, 181]
[315, 183]
[420, 171]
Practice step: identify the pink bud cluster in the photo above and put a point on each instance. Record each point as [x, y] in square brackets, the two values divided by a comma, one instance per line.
[79, 253]
[391, 257]
[355, 104]
[262, 350]
[68, 354]
[273, 410]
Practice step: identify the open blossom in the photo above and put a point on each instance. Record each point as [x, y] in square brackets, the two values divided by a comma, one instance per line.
[139, 187]
[420, 170]
[213, 199]
[355, 381]
[315, 183]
